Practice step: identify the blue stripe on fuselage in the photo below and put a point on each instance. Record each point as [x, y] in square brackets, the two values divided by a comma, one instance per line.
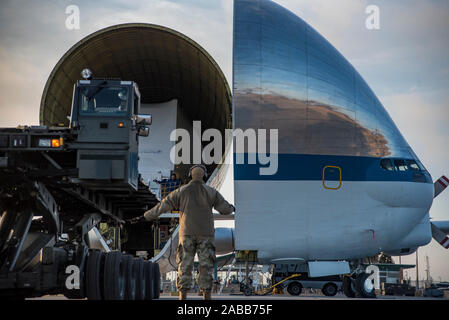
[310, 167]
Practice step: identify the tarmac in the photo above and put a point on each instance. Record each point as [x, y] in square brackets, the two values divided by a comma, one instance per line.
[194, 296]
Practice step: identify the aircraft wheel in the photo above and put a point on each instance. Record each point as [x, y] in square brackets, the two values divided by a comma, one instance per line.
[329, 289]
[139, 266]
[94, 270]
[149, 280]
[294, 288]
[347, 287]
[157, 281]
[364, 286]
[114, 276]
[130, 277]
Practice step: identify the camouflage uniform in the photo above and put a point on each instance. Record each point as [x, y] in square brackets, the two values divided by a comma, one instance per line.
[196, 233]
[185, 255]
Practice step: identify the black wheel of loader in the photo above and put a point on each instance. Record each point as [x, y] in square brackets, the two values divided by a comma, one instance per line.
[329, 289]
[139, 266]
[364, 286]
[93, 275]
[75, 293]
[157, 281]
[248, 291]
[347, 287]
[114, 276]
[149, 281]
[130, 277]
[294, 288]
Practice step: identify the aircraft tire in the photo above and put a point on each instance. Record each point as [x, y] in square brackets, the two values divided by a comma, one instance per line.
[346, 287]
[362, 286]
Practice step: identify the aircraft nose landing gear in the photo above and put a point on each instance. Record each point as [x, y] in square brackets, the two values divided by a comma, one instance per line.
[364, 286]
[358, 286]
[347, 286]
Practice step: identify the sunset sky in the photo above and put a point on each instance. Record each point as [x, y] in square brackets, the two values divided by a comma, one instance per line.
[406, 62]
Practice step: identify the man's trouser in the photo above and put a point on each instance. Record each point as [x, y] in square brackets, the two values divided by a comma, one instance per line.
[188, 246]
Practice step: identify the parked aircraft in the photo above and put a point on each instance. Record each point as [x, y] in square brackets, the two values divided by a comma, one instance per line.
[348, 185]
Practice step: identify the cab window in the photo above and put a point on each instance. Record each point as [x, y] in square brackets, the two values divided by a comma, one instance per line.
[386, 164]
[400, 165]
[103, 100]
[413, 165]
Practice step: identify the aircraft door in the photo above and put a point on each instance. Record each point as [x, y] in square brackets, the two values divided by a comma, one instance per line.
[332, 177]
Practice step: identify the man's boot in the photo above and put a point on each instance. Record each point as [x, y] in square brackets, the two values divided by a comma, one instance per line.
[207, 295]
[183, 294]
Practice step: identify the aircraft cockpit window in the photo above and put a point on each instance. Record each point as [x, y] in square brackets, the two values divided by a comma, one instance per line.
[386, 164]
[400, 165]
[413, 165]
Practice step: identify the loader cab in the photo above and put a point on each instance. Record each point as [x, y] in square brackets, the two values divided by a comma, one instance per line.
[104, 110]
[105, 116]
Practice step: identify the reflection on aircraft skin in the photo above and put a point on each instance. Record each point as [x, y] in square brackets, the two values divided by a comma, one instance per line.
[304, 127]
[286, 76]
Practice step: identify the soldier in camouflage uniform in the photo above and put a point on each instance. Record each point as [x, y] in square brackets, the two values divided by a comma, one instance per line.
[196, 233]
[185, 254]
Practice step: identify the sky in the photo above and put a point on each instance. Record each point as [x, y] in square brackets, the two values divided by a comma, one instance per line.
[405, 62]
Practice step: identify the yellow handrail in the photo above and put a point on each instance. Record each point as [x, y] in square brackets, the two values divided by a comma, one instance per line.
[276, 284]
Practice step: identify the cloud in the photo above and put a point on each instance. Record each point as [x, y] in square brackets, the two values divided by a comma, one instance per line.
[328, 17]
[405, 62]
[210, 25]
[422, 118]
[411, 47]
[20, 82]
[31, 45]
[413, 110]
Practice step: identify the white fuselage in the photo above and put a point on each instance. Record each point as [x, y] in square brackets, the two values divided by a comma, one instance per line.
[302, 219]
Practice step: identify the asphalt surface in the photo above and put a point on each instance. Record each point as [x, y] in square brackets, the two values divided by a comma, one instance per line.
[194, 296]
